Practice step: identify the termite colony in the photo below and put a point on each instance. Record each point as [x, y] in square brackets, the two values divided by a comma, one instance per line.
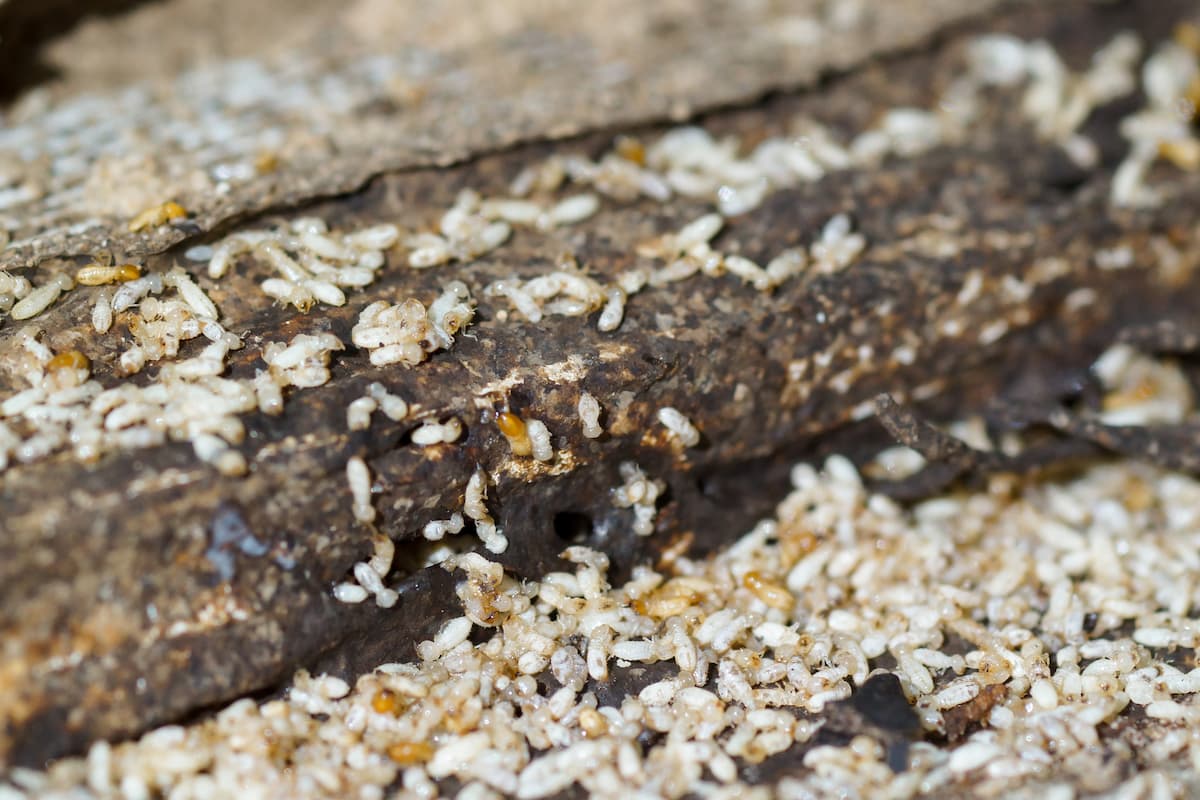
[786, 621]
[1007, 606]
[311, 265]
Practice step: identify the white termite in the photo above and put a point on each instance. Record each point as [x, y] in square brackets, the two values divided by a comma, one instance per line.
[358, 413]
[539, 439]
[193, 295]
[614, 310]
[102, 313]
[431, 432]
[437, 529]
[359, 478]
[589, 415]
[678, 424]
[41, 298]
[393, 407]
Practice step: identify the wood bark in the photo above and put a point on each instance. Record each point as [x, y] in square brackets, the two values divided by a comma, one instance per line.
[382, 86]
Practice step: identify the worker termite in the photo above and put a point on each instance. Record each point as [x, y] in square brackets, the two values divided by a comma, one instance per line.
[158, 215]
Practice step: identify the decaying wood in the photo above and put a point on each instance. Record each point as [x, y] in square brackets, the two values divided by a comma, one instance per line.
[394, 86]
[878, 709]
[114, 617]
[960, 720]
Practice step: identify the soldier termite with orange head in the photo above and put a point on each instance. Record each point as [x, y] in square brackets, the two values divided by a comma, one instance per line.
[68, 359]
[516, 432]
[96, 274]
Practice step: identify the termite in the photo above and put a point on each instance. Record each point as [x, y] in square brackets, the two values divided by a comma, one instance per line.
[96, 274]
[159, 215]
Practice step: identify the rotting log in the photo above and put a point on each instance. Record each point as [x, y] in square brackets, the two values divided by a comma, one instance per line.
[114, 619]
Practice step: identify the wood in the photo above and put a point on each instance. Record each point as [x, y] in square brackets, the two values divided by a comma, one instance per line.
[461, 81]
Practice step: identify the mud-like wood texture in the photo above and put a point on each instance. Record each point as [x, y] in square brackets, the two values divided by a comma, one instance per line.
[114, 618]
[385, 86]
